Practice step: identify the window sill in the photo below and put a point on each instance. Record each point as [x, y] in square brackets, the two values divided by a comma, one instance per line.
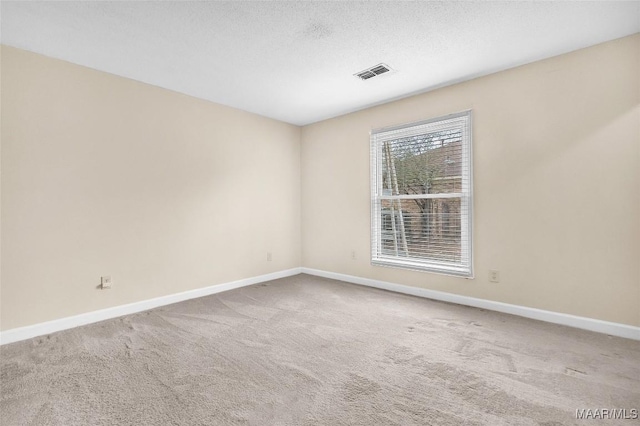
[451, 270]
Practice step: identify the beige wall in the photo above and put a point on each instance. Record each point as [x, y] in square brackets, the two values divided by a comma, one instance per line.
[557, 184]
[166, 193]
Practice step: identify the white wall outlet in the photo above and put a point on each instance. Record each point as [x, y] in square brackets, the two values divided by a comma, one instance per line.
[494, 276]
[353, 255]
[105, 282]
[269, 257]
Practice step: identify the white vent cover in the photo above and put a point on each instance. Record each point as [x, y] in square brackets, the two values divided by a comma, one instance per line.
[374, 71]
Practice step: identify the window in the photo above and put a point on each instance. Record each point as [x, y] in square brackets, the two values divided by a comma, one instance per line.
[421, 188]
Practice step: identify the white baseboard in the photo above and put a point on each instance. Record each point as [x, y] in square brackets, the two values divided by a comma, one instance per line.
[23, 333]
[606, 327]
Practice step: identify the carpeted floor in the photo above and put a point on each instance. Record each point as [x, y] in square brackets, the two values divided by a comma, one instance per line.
[311, 351]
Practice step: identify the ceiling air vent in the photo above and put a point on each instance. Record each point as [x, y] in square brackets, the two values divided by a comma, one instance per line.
[374, 71]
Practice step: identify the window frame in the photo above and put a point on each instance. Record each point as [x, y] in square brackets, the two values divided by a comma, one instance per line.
[465, 268]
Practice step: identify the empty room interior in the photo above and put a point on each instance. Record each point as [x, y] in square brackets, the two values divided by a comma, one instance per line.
[320, 213]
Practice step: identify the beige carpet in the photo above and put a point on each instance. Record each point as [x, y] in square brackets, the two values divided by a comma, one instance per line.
[311, 351]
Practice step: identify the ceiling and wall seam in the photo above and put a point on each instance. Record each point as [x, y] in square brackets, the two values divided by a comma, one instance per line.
[294, 61]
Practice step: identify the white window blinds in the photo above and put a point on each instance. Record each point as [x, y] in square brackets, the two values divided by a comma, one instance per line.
[421, 189]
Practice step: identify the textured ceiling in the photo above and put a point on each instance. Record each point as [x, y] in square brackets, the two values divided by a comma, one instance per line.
[294, 61]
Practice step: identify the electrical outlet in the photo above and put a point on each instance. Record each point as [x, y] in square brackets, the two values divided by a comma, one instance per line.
[494, 276]
[353, 255]
[269, 257]
[105, 282]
